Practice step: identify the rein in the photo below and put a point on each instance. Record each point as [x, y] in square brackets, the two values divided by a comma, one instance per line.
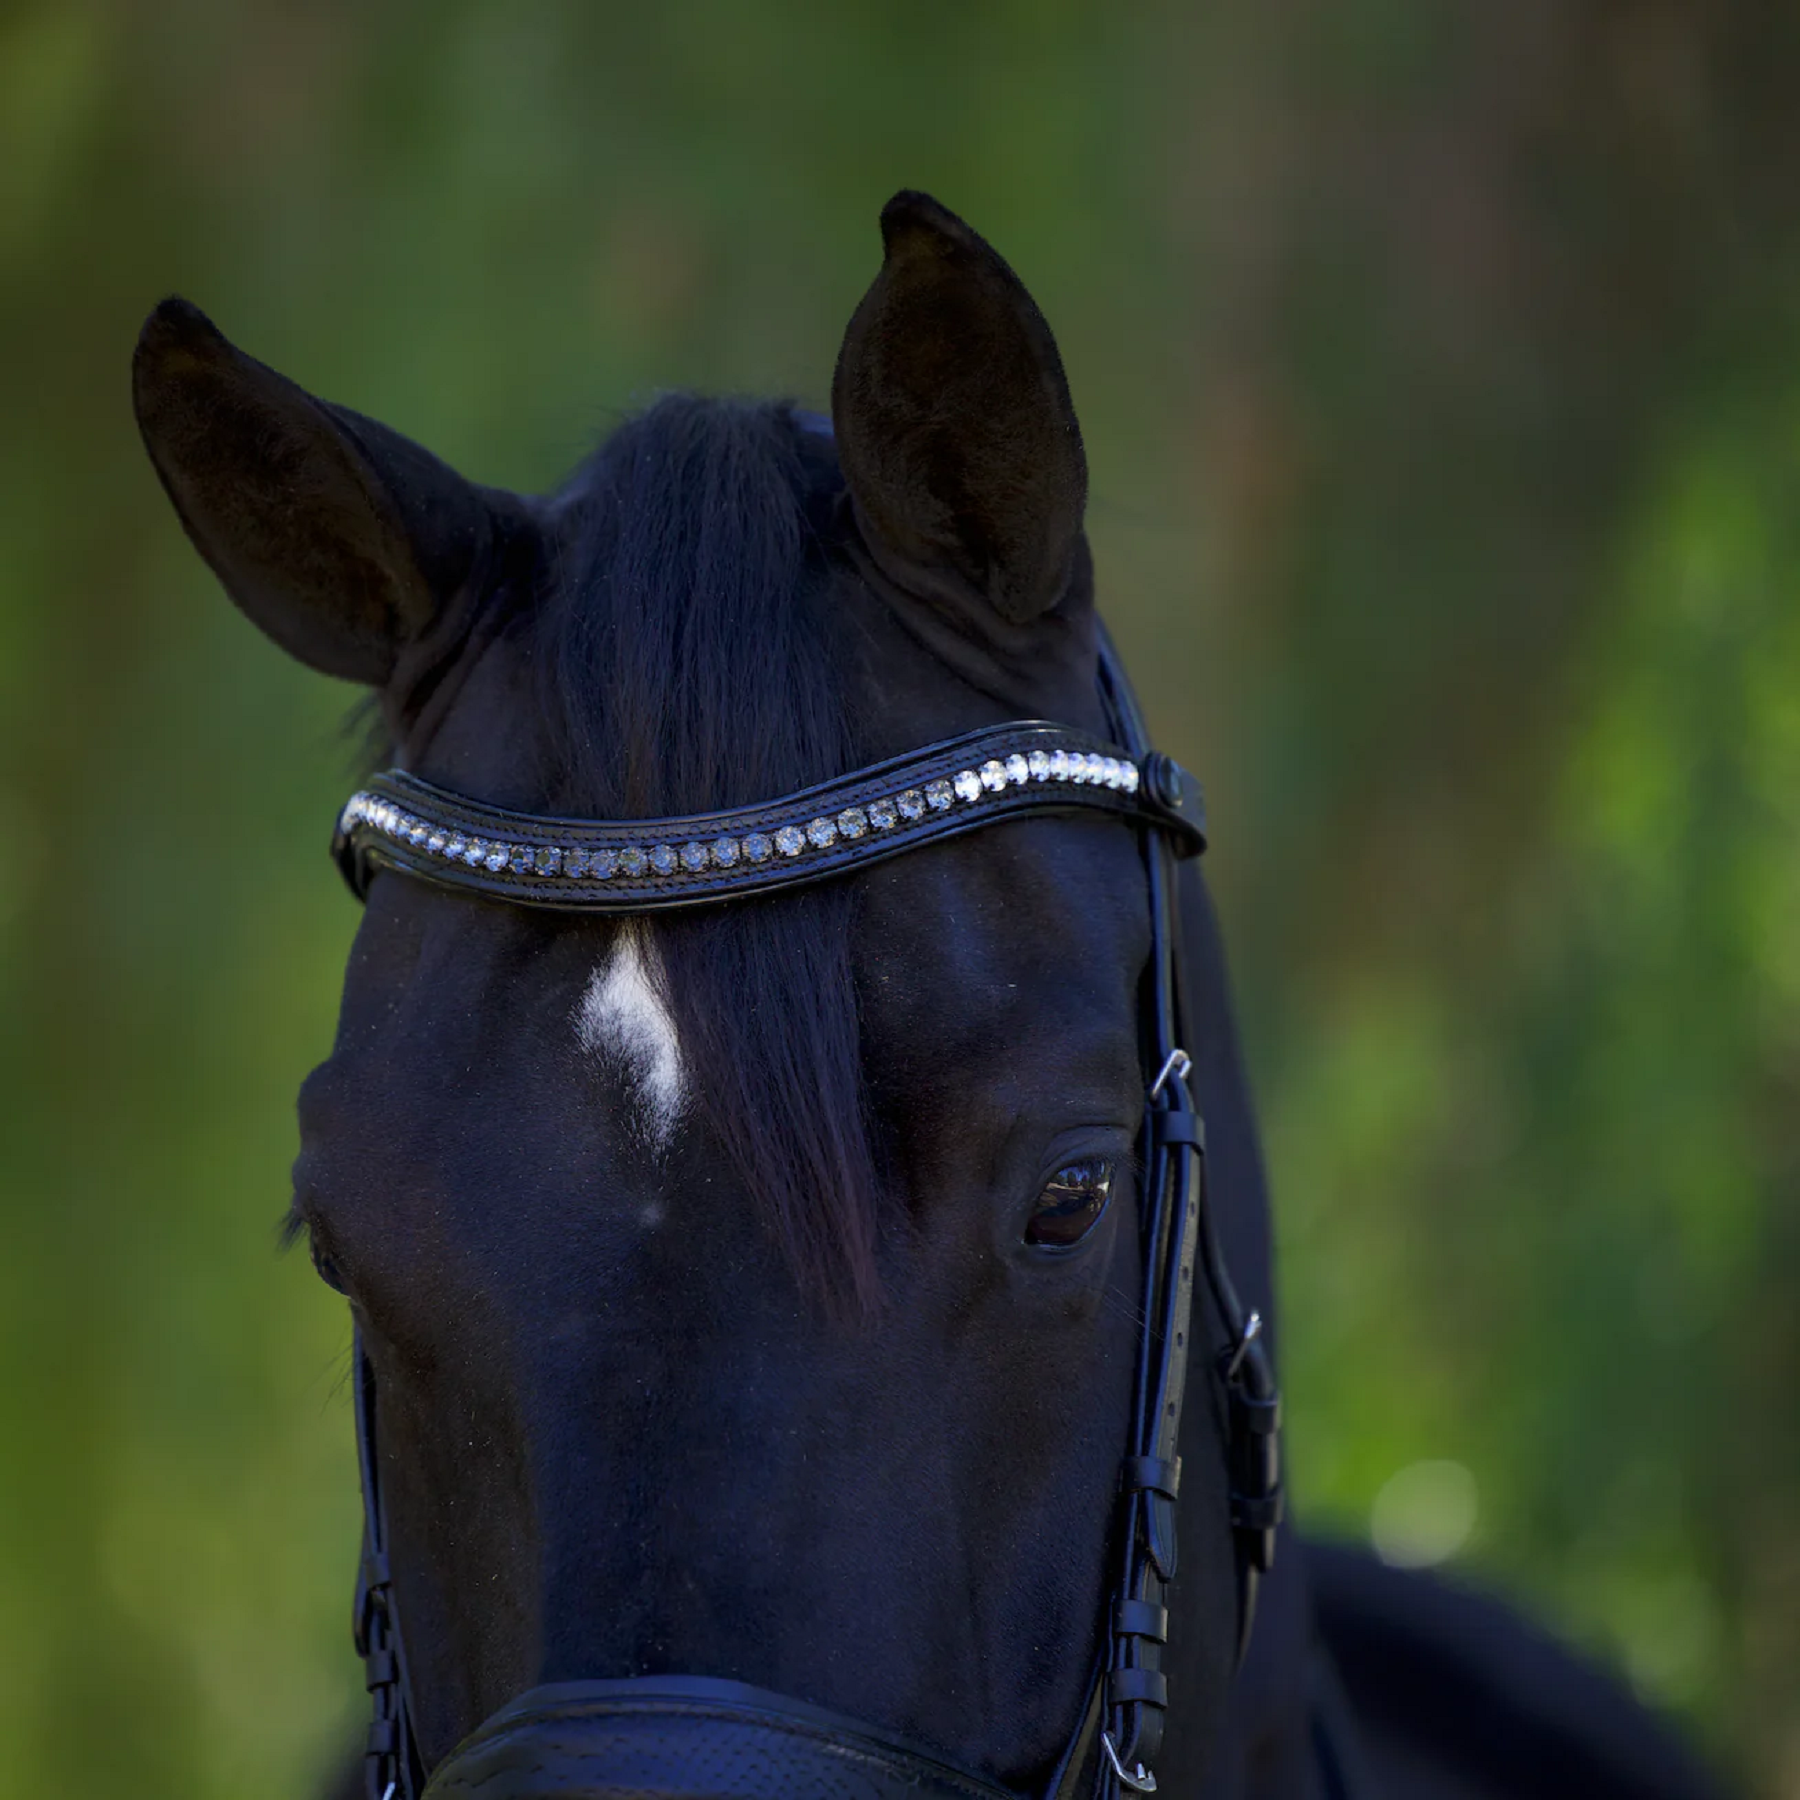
[647, 1731]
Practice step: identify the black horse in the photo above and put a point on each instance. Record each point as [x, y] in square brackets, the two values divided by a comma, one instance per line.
[753, 1293]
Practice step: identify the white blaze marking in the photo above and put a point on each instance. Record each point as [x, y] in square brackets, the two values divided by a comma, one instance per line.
[622, 1015]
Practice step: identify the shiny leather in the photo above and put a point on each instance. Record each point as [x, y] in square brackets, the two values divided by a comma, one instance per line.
[1179, 1239]
[689, 1738]
[1164, 795]
[681, 1738]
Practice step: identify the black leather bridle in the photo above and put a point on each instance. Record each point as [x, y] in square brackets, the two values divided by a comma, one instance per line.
[641, 1735]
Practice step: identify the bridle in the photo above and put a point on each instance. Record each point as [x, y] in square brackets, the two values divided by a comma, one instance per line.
[760, 1743]
[945, 789]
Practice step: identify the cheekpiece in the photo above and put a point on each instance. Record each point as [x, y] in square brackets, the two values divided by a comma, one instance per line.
[641, 865]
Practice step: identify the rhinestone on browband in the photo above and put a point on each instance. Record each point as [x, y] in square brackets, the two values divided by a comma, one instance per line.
[580, 862]
[1001, 772]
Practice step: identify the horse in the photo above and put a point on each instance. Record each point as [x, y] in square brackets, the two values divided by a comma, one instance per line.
[767, 1291]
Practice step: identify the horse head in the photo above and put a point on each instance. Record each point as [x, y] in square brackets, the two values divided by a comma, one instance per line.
[753, 1293]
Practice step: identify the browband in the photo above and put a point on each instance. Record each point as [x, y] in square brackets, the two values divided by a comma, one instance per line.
[645, 865]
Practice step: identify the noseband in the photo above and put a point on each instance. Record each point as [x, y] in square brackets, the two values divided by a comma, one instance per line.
[688, 1736]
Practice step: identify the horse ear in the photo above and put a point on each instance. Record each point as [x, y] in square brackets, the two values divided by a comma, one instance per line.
[953, 420]
[337, 537]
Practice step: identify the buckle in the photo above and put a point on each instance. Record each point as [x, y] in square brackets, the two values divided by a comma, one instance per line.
[1139, 1780]
[1176, 1064]
[1238, 1351]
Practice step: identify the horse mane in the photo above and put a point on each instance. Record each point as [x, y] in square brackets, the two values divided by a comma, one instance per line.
[683, 655]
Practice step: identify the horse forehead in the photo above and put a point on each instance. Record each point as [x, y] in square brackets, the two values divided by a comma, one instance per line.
[1034, 931]
[456, 1016]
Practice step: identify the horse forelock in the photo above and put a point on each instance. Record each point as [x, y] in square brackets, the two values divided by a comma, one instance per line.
[682, 656]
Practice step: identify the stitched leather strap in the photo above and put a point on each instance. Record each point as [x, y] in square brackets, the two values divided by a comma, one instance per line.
[390, 1757]
[1180, 1240]
[689, 1737]
[646, 865]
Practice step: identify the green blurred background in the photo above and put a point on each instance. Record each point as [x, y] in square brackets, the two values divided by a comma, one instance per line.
[1440, 367]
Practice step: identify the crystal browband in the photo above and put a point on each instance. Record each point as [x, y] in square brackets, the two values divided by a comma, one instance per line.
[638, 865]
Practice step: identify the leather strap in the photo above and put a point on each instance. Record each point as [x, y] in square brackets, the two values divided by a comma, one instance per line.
[958, 785]
[1179, 1236]
[693, 1737]
[391, 1763]
[1079, 1771]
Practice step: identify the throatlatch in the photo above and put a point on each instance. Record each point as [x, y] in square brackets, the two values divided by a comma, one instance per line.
[640, 1730]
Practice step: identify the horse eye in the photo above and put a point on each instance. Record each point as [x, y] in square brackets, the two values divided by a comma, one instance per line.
[1071, 1204]
[326, 1268]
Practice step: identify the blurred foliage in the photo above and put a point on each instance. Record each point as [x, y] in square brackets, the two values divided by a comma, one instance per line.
[1440, 365]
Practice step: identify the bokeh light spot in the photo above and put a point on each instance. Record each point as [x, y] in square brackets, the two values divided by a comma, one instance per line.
[1423, 1514]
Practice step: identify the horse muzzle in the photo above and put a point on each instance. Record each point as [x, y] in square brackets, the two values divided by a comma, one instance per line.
[688, 1738]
